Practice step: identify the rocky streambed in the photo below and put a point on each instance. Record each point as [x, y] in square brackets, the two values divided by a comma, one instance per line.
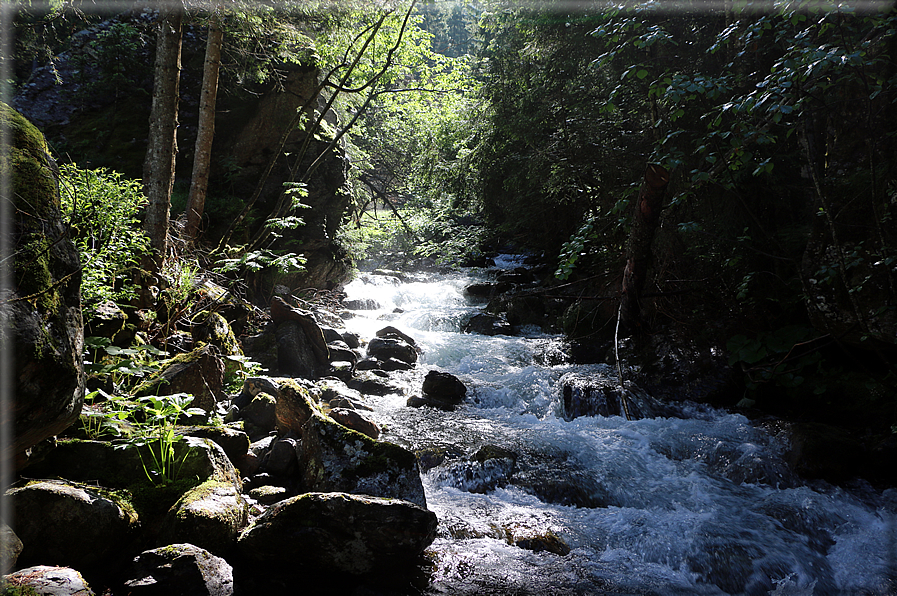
[293, 480]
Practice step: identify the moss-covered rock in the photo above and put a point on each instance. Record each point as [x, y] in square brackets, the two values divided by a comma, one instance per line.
[64, 523]
[199, 372]
[333, 458]
[208, 516]
[43, 308]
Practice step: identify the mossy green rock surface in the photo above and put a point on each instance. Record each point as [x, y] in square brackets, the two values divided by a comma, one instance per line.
[208, 516]
[43, 309]
[339, 532]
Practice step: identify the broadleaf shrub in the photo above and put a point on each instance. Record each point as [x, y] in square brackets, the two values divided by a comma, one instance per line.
[103, 207]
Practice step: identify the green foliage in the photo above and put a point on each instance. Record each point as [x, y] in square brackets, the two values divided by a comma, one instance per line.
[151, 421]
[103, 209]
[124, 366]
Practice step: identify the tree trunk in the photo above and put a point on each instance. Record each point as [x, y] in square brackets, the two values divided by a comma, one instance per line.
[638, 252]
[206, 131]
[158, 167]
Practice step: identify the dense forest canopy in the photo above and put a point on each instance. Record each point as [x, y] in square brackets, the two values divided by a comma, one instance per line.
[472, 125]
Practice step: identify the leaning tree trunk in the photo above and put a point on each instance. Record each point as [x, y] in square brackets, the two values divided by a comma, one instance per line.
[206, 131]
[638, 251]
[158, 167]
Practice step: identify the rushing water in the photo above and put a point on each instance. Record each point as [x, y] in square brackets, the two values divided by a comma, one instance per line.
[701, 503]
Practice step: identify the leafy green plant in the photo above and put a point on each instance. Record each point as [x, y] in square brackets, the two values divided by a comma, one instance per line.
[156, 438]
[103, 209]
[120, 364]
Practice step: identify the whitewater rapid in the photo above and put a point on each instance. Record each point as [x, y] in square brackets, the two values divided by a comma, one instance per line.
[702, 503]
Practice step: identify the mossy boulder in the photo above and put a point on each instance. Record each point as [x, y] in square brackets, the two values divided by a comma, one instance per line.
[64, 523]
[199, 372]
[208, 516]
[43, 306]
[339, 532]
[333, 458]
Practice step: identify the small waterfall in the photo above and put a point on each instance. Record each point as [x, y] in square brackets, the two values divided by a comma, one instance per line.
[685, 500]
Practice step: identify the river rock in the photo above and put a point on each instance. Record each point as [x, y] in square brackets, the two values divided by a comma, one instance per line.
[361, 304]
[339, 395]
[281, 459]
[333, 458]
[46, 580]
[260, 415]
[199, 373]
[393, 332]
[180, 570]
[588, 395]
[295, 353]
[384, 348]
[42, 306]
[235, 443]
[370, 383]
[486, 324]
[340, 533]
[208, 516]
[63, 523]
[294, 407]
[355, 421]
[252, 386]
[444, 386]
[440, 390]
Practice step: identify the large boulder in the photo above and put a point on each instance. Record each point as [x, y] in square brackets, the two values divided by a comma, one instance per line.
[180, 570]
[338, 532]
[46, 580]
[64, 523]
[384, 348]
[295, 351]
[88, 461]
[42, 308]
[208, 516]
[588, 395]
[334, 458]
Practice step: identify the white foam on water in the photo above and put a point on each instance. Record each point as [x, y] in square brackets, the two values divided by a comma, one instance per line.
[703, 504]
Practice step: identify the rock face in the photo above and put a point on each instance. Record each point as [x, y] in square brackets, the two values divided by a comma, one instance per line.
[346, 533]
[56, 520]
[42, 314]
[249, 148]
[180, 569]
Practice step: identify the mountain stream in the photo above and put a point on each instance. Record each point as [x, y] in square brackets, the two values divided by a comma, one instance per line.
[699, 503]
